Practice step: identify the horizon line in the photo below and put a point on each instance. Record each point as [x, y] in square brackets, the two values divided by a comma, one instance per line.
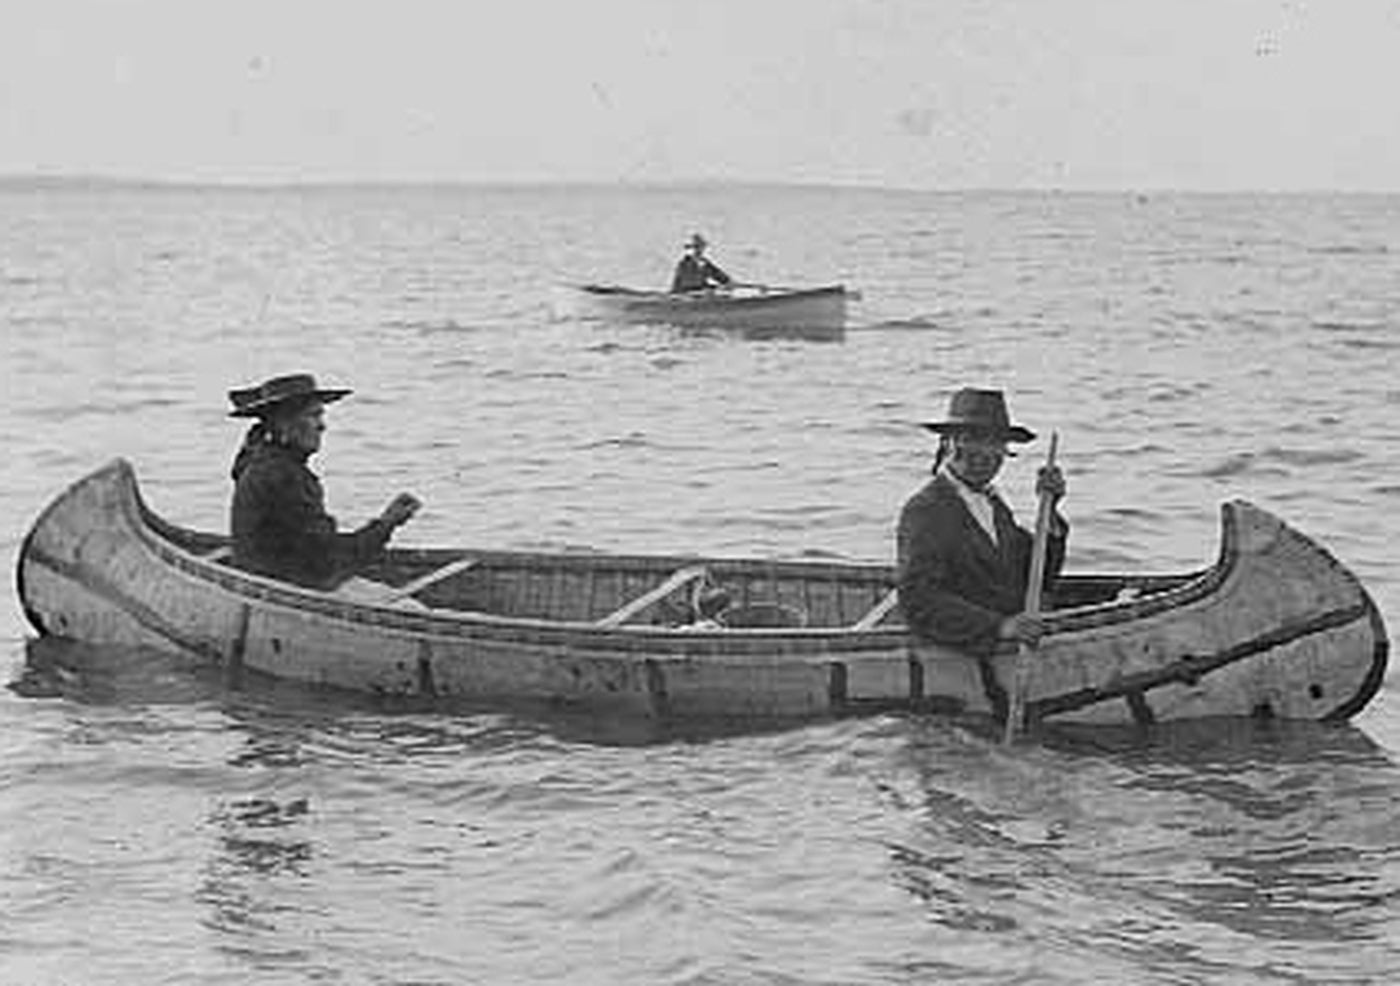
[83, 178]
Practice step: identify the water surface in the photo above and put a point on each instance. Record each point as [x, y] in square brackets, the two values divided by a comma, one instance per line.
[1187, 349]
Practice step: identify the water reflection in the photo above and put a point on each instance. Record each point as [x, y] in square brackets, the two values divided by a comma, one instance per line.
[792, 333]
[1232, 836]
[248, 884]
[106, 674]
[281, 716]
[262, 850]
[251, 840]
[1220, 744]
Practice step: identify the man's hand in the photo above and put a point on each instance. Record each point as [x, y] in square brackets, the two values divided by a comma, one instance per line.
[1024, 628]
[400, 509]
[1052, 482]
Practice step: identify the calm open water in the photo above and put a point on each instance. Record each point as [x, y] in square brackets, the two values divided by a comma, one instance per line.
[1188, 350]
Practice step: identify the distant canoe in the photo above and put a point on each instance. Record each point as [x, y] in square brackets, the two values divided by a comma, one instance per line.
[1276, 628]
[809, 311]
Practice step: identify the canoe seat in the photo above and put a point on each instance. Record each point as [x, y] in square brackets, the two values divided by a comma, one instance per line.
[877, 612]
[432, 578]
[222, 553]
[678, 578]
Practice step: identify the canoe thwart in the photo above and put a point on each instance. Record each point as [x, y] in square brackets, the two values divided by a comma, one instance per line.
[432, 578]
[628, 610]
[877, 612]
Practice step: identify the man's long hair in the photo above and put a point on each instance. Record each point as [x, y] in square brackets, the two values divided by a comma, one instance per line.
[945, 449]
[267, 430]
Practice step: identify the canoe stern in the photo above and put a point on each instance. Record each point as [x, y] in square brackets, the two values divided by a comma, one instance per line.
[1278, 629]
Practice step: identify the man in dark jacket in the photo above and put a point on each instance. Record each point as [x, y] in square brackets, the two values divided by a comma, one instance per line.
[279, 522]
[963, 562]
[695, 271]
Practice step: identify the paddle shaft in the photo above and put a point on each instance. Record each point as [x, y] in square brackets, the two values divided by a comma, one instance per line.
[1016, 706]
[851, 294]
[768, 288]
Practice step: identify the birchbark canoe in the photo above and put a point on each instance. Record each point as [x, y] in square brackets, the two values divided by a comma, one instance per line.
[808, 311]
[1275, 628]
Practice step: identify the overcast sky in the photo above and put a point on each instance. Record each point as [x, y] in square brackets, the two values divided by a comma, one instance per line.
[1191, 94]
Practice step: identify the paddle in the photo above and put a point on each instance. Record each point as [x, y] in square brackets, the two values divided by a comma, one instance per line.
[851, 294]
[1016, 707]
[767, 288]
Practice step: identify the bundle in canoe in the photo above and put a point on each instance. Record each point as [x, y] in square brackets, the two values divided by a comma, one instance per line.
[815, 310]
[1276, 627]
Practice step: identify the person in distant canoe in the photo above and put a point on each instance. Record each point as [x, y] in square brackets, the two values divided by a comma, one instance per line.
[279, 522]
[963, 562]
[697, 272]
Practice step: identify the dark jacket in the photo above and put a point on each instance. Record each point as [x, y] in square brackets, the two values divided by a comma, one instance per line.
[280, 526]
[955, 585]
[696, 274]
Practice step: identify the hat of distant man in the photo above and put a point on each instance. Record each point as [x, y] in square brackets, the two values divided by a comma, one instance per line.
[696, 240]
[981, 412]
[280, 393]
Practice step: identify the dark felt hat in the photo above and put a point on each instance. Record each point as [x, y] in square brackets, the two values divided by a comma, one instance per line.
[272, 395]
[982, 412]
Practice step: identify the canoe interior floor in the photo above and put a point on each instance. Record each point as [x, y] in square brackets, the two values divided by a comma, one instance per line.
[691, 595]
[617, 595]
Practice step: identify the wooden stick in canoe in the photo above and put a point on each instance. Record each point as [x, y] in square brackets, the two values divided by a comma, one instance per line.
[678, 578]
[767, 288]
[851, 294]
[1016, 708]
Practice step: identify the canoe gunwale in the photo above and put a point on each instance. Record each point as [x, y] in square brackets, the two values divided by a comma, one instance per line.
[1202, 584]
[683, 301]
[152, 531]
[461, 622]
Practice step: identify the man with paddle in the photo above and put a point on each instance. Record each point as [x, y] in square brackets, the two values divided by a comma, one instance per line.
[964, 564]
[697, 272]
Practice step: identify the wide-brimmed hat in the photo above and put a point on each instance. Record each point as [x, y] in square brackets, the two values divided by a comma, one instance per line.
[279, 392]
[696, 240]
[983, 412]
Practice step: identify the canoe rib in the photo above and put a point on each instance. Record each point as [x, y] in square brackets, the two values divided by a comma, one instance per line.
[1276, 626]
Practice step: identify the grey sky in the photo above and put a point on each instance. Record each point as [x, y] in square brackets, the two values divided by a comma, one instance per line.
[1198, 94]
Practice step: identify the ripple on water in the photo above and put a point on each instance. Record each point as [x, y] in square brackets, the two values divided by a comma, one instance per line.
[293, 836]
